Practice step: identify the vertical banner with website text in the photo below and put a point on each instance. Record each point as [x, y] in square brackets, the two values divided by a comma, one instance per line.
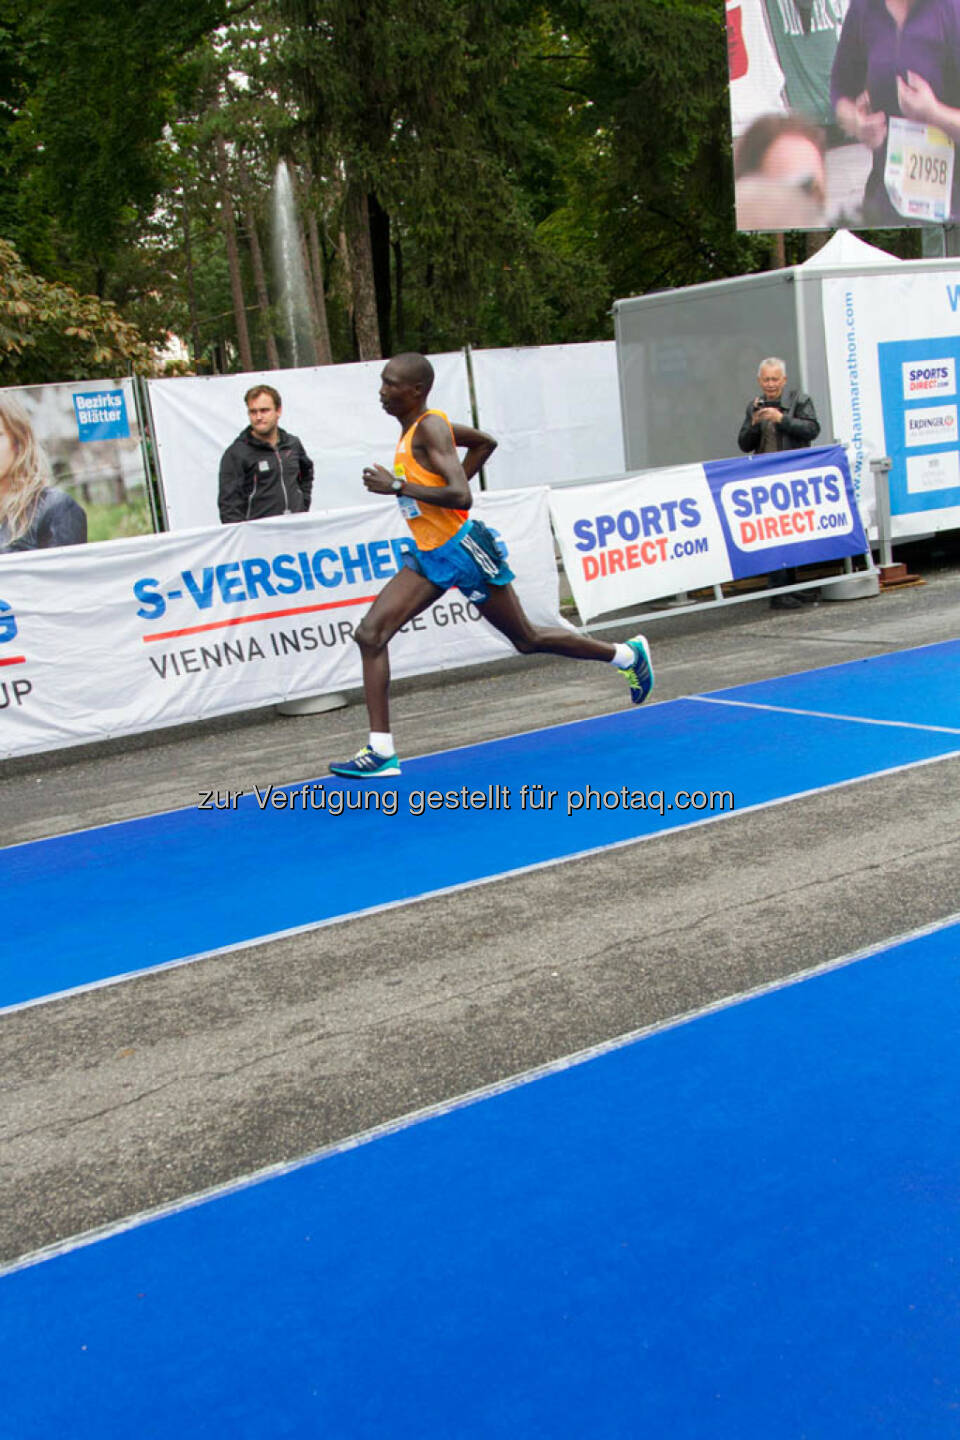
[893, 357]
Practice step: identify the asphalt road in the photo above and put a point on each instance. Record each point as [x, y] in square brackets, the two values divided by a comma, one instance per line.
[123, 1098]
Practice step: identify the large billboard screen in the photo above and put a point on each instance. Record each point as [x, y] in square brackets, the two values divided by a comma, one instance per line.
[844, 115]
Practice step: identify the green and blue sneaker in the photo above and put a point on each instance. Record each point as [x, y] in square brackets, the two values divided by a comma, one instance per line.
[639, 675]
[367, 765]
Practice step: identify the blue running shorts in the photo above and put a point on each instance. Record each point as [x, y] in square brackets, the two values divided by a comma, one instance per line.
[472, 561]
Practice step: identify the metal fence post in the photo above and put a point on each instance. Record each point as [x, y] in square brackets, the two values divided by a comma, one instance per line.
[881, 467]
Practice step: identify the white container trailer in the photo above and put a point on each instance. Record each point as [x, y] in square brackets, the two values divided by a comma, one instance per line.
[859, 330]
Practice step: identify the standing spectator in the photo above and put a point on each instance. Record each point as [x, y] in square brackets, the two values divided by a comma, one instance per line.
[779, 419]
[266, 471]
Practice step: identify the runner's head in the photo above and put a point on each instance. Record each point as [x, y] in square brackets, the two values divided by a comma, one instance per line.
[416, 370]
[405, 383]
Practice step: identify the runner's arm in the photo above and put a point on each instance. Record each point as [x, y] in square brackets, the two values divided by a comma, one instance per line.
[478, 445]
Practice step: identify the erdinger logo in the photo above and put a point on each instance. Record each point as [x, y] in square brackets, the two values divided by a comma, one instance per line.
[933, 425]
[929, 377]
[786, 509]
[8, 623]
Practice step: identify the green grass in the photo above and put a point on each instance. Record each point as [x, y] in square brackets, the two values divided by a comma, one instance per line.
[112, 522]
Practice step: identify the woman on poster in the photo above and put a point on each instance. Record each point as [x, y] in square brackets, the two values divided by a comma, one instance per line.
[33, 515]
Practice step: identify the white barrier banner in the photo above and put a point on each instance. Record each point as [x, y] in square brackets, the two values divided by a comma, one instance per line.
[662, 532]
[333, 409]
[554, 410]
[632, 540]
[105, 640]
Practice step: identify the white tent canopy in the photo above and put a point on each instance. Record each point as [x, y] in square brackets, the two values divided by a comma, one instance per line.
[846, 250]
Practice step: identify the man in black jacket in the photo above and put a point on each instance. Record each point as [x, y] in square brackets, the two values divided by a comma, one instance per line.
[266, 471]
[779, 419]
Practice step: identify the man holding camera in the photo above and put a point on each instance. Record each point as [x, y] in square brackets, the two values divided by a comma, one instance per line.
[779, 419]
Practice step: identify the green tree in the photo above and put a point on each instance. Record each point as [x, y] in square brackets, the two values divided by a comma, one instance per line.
[428, 113]
[48, 331]
[658, 183]
[95, 86]
[221, 156]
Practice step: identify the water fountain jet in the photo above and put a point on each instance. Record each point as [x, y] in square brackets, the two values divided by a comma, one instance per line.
[290, 274]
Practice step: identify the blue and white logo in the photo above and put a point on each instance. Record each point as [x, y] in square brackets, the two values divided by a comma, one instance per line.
[101, 415]
[929, 377]
[786, 509]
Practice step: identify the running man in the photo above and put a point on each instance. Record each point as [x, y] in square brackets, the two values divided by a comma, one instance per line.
[433, 490]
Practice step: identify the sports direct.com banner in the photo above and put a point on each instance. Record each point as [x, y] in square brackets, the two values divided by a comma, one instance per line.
[667, 531]
[107, 640]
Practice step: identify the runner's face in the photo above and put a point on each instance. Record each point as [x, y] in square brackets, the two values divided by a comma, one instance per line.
[397, 395]
[264, 415]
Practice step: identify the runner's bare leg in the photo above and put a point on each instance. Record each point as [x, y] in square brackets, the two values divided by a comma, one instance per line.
[403, 597]
[506, 614]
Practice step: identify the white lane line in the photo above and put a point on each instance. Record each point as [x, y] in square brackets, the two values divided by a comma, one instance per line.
[333, 780]
[383, 907]
[471, 1097]
[824, 714]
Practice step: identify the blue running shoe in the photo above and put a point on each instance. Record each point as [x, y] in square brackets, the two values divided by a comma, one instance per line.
[640, 674]
[367, 765]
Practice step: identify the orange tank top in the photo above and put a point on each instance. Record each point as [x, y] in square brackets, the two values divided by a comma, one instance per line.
[432, 525]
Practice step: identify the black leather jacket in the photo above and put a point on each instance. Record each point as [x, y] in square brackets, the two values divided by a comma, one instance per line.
[797, 429]
[257, 480]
